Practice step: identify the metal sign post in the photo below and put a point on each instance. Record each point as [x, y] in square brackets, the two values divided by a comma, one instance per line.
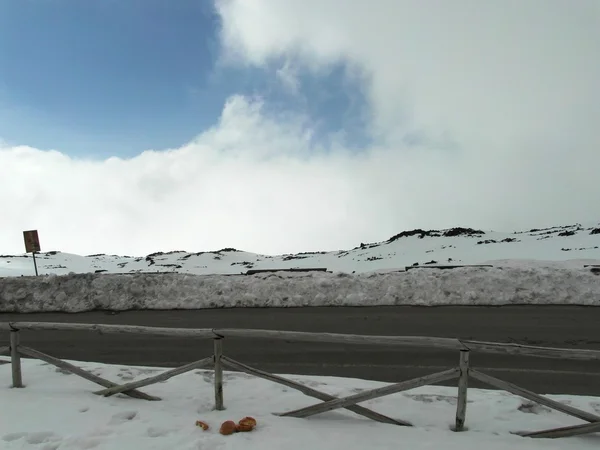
[32, 245]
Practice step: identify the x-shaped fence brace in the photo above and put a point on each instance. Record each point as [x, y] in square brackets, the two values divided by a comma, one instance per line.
[82, 373]
[592, 427]
[235, 365]
[344, 402]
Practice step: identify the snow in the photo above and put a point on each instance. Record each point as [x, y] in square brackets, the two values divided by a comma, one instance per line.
[56, 410]
[549, 267]
[571, 245]
[426, 287]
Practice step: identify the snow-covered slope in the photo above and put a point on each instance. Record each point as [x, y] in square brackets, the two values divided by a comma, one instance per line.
[572, 245]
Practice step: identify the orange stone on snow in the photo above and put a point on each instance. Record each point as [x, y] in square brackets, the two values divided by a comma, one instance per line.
[248, 421]
[202, 425]
[228, 427]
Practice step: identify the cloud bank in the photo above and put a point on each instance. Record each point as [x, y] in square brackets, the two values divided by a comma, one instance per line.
[503, 98]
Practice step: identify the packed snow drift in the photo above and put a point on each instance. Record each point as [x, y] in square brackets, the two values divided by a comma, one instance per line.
[56, 410]
[554, 266]
[425, 287]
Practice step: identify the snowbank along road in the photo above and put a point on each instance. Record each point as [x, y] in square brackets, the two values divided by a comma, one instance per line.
[426, 287]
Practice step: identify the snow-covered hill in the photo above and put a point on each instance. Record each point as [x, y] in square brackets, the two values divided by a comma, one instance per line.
[571, 245]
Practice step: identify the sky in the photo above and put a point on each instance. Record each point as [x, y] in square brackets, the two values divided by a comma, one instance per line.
[135, 126]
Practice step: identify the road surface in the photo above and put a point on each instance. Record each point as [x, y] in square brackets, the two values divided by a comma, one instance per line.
[556, 326]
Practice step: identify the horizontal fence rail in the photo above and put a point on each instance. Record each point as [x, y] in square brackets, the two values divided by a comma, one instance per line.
[301, 336]
[218, 361]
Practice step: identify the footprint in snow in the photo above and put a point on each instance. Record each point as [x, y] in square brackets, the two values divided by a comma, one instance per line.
[122, 417]
[37, 437]
[158, 431]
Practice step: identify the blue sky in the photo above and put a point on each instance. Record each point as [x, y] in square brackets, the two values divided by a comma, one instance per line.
[105, 78]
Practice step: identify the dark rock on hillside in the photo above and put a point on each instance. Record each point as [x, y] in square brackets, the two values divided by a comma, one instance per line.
[417, 232]
[291, 257]
[595, 231]
[493, 241]
[246, 264]
[567, 233]
[362, 246]
[452, 232]
[460, 231]
[152, 255]
[176, 266]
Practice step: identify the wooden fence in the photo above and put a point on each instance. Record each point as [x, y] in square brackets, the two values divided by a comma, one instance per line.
[218, 361]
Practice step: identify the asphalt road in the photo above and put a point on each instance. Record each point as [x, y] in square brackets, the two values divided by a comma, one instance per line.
[576, 327]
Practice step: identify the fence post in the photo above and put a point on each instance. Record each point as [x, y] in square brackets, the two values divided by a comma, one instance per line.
[463, 382]
[218, 344]
[15, 359]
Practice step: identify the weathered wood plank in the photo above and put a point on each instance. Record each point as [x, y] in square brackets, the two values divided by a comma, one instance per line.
[375, 393]
[82, 373]
[463, 384]
[301, 336]
[4, 350]
[164, 376]
[15, 360]
[110, 329]
[399, 341]
[513, 388]
[575, 430]
[529, 350]
[218, 350]
[236, 365]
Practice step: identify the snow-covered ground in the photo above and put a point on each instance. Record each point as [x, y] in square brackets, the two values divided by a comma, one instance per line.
[455, 246]
[57, 411]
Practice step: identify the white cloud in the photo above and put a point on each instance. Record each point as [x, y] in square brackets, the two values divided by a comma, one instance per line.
[481, 70]
[513, 85]
[288, 78]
